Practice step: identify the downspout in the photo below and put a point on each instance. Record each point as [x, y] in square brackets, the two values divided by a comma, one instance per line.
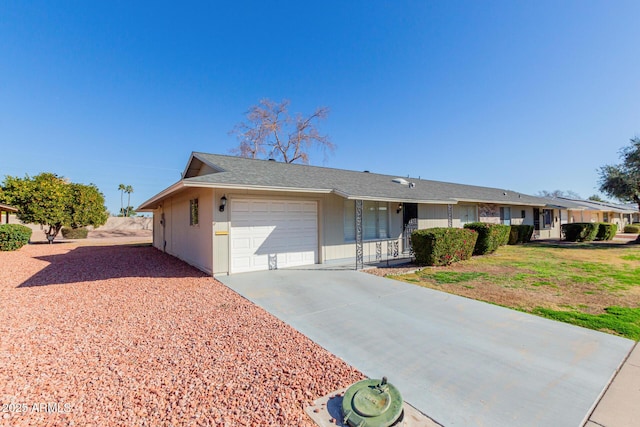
[163, 223]
[359, 248]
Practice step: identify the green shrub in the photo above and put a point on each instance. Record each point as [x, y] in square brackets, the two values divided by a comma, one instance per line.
[513, 235]
[442, 246]
[580, 231]
[520, 234]
[14, 236]
[635, 229]
[74, 233]
[606, 231]
[490, 236]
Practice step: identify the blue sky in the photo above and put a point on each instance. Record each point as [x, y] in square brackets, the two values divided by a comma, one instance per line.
[523, 95]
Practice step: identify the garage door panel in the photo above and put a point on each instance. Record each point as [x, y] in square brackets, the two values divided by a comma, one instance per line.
[241, 243]
[284, 231]
[278, 207]
[241, 207]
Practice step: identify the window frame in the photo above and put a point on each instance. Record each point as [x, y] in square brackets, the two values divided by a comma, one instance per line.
[373, 225]
[194, 212]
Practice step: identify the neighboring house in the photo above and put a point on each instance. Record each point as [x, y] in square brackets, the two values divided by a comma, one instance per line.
[631, 213]
[230, 214]
[7, 210]
[574, 210]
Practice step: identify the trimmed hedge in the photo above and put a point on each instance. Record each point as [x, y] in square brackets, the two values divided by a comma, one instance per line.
[520, 234]
[580, 231]
[606, 231]
[74, 233]
[490, 236]
[442, 246]
[635, 229]
[14, 236]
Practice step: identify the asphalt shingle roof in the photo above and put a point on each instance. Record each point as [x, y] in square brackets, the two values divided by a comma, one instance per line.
[251, 173]
[591, 205]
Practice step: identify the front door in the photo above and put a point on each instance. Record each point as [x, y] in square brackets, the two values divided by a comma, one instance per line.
[410, 224]
[536, 219]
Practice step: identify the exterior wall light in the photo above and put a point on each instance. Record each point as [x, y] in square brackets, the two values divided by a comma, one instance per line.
[399, 208]
[223, 203]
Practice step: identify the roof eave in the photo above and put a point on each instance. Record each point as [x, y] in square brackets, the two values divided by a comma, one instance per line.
[7, 208]
[151, 204]
[255, 187]
[500, 202]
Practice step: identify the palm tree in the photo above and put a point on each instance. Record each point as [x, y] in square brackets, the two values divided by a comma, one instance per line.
[122, 189]
[128, 189]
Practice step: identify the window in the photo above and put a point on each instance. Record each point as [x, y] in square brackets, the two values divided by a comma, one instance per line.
[374, 220]
[349, 220]
[505, 215]
[193, 212]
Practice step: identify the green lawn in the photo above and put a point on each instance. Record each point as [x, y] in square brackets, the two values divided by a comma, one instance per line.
[596, 286]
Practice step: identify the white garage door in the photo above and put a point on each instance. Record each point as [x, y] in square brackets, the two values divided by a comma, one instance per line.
[270, 234]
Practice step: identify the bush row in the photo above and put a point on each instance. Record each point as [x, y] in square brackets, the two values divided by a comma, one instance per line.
[14, 236]
[635, 228]
[520, 234]
[74, 233]
[442, 246]
[606, 231]
[589, 231]
[490, 236]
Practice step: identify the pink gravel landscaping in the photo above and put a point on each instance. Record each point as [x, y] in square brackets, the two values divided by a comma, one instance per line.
[128, 336]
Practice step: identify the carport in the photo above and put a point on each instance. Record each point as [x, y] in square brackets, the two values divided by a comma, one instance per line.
[459, 361]
[7, 210]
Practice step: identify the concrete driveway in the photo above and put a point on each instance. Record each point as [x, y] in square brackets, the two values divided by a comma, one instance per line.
[459, 361]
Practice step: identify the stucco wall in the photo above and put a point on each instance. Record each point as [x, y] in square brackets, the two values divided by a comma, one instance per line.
[207, 246]
[584, 216]
[192, 244]
[431, 216]
[489, 213]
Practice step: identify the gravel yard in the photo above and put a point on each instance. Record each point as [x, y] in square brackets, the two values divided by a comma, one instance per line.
[126, 335]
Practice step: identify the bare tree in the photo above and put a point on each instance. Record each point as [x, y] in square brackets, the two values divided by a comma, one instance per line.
[269, 131]
[559, 193]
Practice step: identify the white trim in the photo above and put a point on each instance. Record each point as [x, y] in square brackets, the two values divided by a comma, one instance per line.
[500, 202]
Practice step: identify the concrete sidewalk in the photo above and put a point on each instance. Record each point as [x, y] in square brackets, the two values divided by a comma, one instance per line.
[620, 405]
[459, 361]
